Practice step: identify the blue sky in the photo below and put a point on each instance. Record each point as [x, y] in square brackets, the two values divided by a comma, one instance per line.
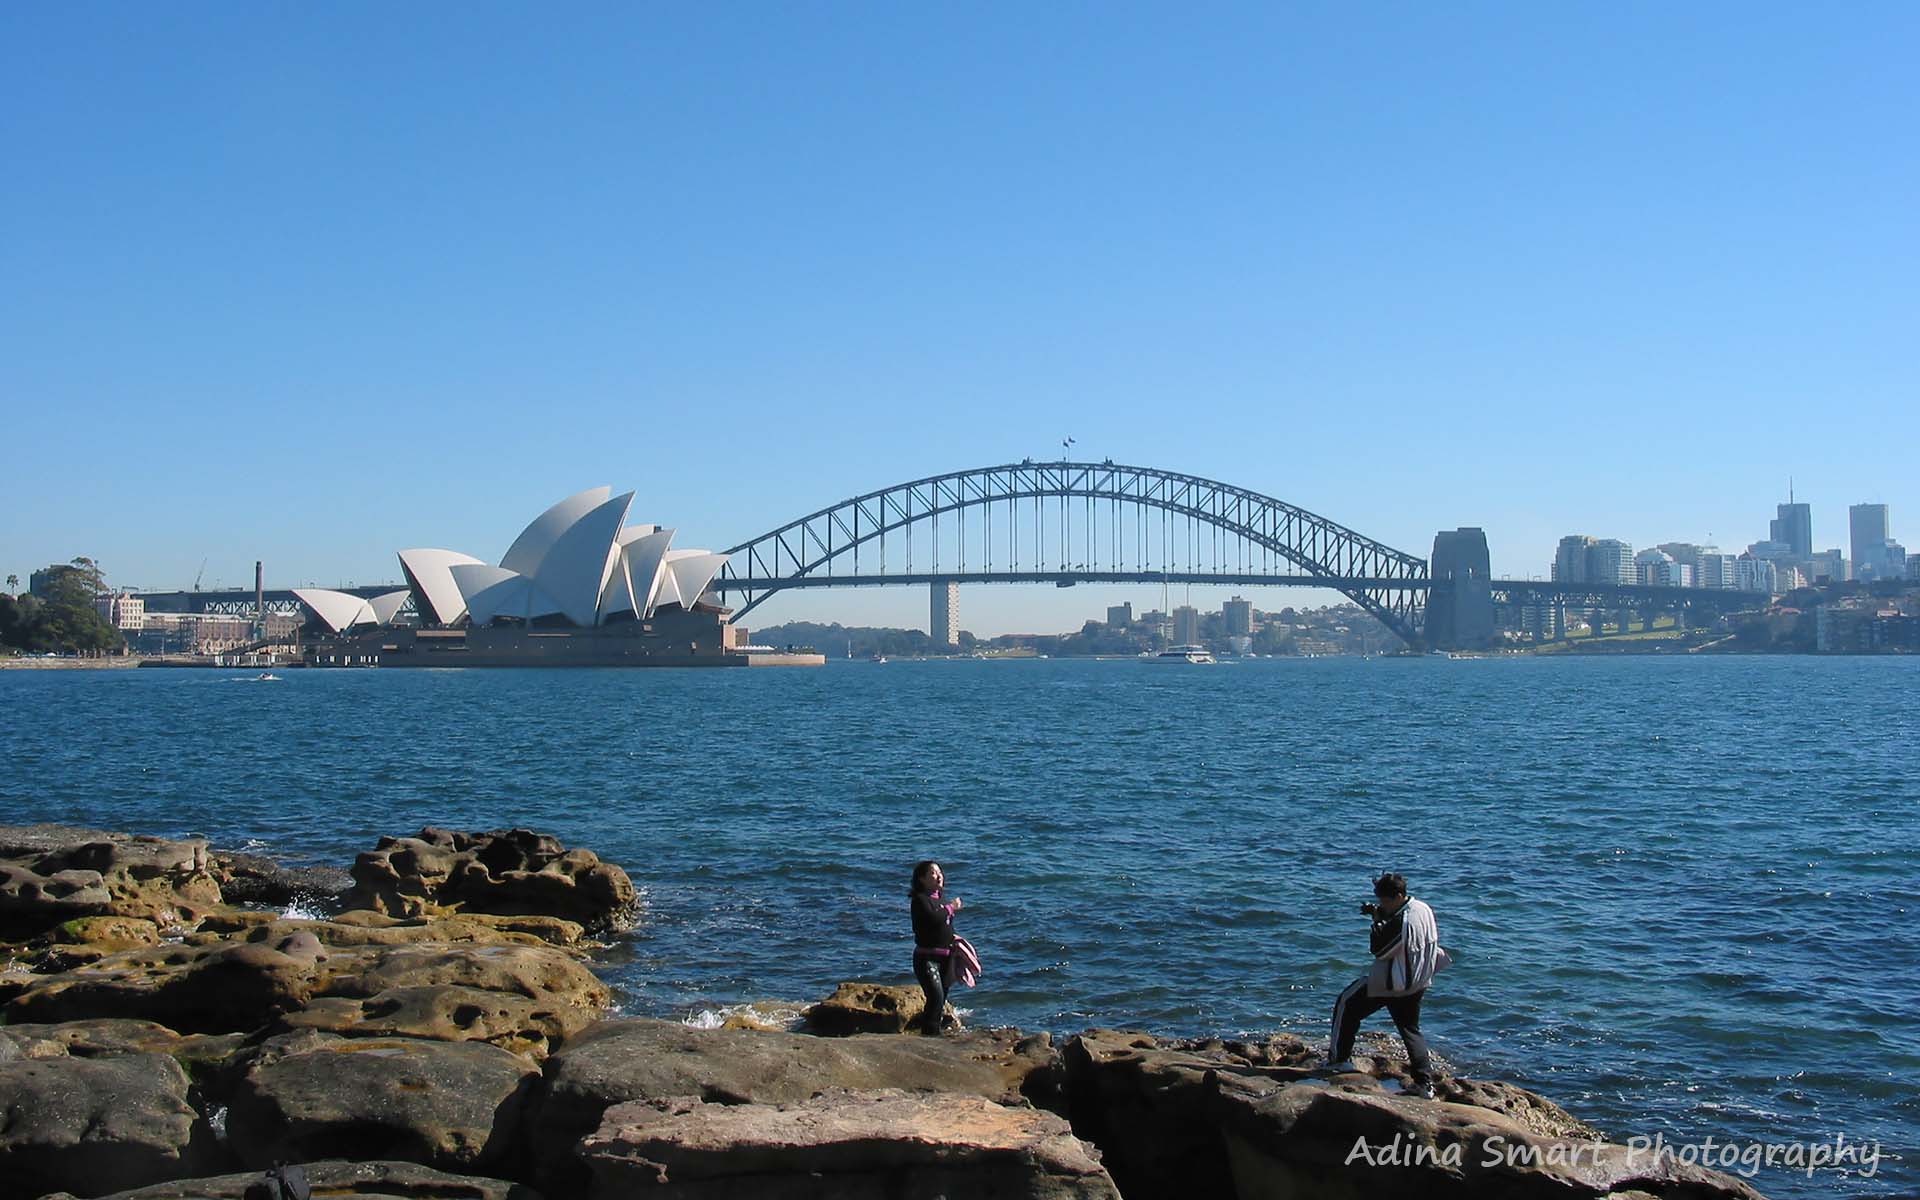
[314, 283]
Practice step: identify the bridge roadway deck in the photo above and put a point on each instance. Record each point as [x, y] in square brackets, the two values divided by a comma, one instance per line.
[240, 601]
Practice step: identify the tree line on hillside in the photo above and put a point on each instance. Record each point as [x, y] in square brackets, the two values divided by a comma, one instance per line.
[62, 619]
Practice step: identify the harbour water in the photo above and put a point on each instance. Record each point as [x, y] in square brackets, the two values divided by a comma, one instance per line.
[1681, 895]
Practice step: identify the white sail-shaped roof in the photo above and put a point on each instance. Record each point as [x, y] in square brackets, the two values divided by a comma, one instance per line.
[529, 550]
[339, 611]
[386, 606]
[636, 573]
[435, 594]
[575, 567]
[491, 592]
[624, 592]
[689, 572]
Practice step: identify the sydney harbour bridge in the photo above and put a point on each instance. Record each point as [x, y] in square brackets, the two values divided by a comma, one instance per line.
[1068, 523]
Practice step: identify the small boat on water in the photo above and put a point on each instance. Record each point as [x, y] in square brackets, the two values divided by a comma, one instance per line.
[267, 677]
[879, 658]
[1196, 655]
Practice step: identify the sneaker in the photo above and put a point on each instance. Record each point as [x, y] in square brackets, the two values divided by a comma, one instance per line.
[1344, 1067]
[1424, 1090]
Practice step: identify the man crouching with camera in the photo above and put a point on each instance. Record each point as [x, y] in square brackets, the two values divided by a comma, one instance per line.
[1406, 953]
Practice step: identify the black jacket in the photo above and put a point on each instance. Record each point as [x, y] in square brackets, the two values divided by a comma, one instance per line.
[932, 923]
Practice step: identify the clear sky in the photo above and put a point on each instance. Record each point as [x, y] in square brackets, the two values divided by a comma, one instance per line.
[314, 283]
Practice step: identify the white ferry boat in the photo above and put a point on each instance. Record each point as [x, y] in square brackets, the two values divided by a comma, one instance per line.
[1184, 654]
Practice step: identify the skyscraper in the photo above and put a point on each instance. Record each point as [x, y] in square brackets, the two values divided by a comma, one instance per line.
[1871, 530]
[1794, 527]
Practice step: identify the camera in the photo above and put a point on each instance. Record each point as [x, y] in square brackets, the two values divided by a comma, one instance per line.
[1369, 908]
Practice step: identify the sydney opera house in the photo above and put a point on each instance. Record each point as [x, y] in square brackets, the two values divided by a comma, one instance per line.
[578, 587]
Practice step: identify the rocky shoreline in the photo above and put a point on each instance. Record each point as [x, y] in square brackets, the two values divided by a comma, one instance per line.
[166, 1033]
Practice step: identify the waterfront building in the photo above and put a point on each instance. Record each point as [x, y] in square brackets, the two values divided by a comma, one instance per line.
[1913, 567]
[1119, 616]
[1186, 625]
[124, 611]
[1793, 527]
[1237, 614]
[192, 633]
[578, 587]
[943, 624]
[1869, 528]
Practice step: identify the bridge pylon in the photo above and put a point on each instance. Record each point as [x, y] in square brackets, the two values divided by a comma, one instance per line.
[1460, 600]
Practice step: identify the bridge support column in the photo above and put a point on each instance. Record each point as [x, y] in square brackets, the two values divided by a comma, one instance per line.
[1460, 603]
[943, 619]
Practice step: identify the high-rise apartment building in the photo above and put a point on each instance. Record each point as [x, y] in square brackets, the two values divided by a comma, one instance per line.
[1238, 616]
[1119, 616]
[1718, 571]
[1186, 625]
[944, 620]
[1610, 560]
[1794, 527]
[1570, 559]
[1582, 559]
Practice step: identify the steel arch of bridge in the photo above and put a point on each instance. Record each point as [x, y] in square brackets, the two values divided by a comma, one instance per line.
[1388, 583]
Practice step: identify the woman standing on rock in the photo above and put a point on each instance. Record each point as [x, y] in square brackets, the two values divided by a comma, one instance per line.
[932, 941]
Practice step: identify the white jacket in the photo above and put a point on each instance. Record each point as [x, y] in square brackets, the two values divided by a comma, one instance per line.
[1408, 964]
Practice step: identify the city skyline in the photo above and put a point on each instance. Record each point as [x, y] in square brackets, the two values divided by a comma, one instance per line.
[287, 288]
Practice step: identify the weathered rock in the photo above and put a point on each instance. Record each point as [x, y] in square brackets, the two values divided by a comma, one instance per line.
[369, 1180]
[256, 879]
[1144, 1103]
[1319, 1137]
[93, 1125]
[359, 927]
[205, 989]
[536, 972]
[523, 1025]
[107, 933]
[55, 873]
[509, 872]
[842, 1145]
[449, 1105]
[224, 986]
[637, 1059]
[866, 1008]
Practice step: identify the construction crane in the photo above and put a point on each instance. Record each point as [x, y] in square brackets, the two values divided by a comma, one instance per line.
[197, 575]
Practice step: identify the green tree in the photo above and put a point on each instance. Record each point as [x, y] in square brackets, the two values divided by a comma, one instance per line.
[13, 584]
[64, 619]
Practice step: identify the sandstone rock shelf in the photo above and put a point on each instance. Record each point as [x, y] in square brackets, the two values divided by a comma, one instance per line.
[441, 1033]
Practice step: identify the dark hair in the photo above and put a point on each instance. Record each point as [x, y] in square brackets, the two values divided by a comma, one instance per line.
[922, 870]
[1390, 885]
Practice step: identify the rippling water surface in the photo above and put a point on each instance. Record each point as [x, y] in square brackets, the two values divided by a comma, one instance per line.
[1681, 895]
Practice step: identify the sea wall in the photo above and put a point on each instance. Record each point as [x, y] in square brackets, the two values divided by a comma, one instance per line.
[441, 1032]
